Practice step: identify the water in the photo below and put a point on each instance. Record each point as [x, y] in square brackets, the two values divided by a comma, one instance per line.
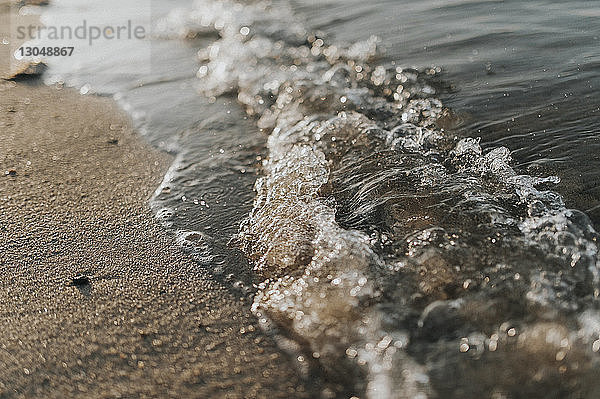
[390, 185]
[525, 73]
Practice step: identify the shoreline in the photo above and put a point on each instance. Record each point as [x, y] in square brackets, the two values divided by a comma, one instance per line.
[149, 322]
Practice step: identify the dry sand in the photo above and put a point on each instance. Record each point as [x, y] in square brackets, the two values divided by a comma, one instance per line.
[74, 185]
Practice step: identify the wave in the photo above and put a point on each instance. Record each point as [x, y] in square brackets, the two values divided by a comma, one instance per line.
[399, 259]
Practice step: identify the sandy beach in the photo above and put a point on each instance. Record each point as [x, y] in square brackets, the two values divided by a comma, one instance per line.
[146, 321]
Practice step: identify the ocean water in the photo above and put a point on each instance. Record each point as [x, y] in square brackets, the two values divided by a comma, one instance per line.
[404, 193]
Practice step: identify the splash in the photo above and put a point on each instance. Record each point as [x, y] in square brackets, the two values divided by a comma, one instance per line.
[401, 260]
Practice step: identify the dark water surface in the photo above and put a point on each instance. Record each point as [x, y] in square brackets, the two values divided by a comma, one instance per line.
[378, 180]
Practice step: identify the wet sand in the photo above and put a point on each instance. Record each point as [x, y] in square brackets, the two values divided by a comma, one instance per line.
[74, 185]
